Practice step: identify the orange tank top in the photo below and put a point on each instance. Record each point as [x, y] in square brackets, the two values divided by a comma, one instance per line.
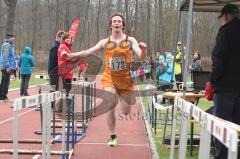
[117, 64]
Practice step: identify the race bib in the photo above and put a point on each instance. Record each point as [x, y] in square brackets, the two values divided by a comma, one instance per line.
[117, 63]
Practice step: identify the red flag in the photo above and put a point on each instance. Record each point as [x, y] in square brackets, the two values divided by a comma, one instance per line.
[73, 29]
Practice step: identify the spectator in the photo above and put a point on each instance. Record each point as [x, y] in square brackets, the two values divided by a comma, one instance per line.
[178, 64]
[147, 70]
[7, 64]
[156, 63]
[196, 63]
[225, 72]
[53, 61]
[65, 69]
[133, 68]
[161, 68]
[152, 63]
[141, 73]
[26, 63]
[165, 79]
[16, 70]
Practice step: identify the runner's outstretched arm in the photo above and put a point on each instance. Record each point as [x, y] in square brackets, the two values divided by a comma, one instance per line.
[84, 53]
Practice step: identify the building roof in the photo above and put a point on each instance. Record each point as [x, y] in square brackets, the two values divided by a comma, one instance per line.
[207, 5]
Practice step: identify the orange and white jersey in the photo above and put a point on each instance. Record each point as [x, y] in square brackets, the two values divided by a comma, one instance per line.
[118, 57]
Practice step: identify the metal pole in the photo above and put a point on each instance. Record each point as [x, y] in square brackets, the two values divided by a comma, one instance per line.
[189, 30]
[48, 123]
[64, 126]
[15, 133]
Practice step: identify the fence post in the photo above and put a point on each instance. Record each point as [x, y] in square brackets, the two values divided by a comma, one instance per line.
[205, 139]
[173, 136]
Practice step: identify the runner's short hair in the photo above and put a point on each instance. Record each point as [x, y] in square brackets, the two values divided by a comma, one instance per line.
[120, 15]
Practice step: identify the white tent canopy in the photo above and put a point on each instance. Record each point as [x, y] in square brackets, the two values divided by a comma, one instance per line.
[207, 5]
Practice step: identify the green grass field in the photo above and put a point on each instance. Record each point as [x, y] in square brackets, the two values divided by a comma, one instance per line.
[164, 150]
[15, 83]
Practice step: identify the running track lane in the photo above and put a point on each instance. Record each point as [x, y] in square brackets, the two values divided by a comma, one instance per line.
[132, 135]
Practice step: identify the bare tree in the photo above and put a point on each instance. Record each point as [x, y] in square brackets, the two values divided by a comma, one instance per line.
[148, 25]
[98, 17]
[67, 16]
[127, 16]
[85, 20]
[34, 20]
[119, 5]
[136, 18]
[160, 40]
[152, 21]
[109, 6]
[10, 15]
[57, 16]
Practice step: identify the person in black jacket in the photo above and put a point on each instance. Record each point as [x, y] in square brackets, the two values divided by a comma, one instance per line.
[53, 61]
[225, 74]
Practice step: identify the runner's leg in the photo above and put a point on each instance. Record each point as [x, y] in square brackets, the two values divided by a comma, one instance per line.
[126, 100]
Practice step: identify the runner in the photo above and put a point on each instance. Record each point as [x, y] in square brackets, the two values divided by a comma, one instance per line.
[116, 80]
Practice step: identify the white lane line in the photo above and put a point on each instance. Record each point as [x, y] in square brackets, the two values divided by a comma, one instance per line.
[4, 121]
[99, 143]
[56, 138]
[36, 156]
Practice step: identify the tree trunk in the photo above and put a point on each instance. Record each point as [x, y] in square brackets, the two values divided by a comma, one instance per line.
[155, 25]
[119, 6]
[34, 20]
[148, 26]
[108, 15]
[135, 18]
[57, 27]
[10, 15]
[67, 17]
[98, 15]
[85, 20]
[160, 27]
[127, 17]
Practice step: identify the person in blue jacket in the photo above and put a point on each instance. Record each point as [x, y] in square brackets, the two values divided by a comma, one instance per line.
[7, 64]
[165, 79]
[26, 63]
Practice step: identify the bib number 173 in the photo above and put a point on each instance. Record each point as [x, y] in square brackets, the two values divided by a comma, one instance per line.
[117, 63]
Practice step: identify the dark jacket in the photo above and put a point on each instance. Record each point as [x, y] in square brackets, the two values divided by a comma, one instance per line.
[196, 65]
[225, 75]
[53, 59]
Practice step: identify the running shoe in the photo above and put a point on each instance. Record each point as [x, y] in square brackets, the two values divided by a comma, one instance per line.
[112, 141]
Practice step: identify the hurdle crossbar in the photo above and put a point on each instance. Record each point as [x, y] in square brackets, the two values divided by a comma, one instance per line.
[33, 152]
[225, 131]
[29, 101]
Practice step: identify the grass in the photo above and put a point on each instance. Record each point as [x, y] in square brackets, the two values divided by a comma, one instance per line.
[164, 150]
[15, 83]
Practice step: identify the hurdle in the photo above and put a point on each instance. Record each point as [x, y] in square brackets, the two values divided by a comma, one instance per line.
[88, 109]
[226, 132]
[29, 101]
